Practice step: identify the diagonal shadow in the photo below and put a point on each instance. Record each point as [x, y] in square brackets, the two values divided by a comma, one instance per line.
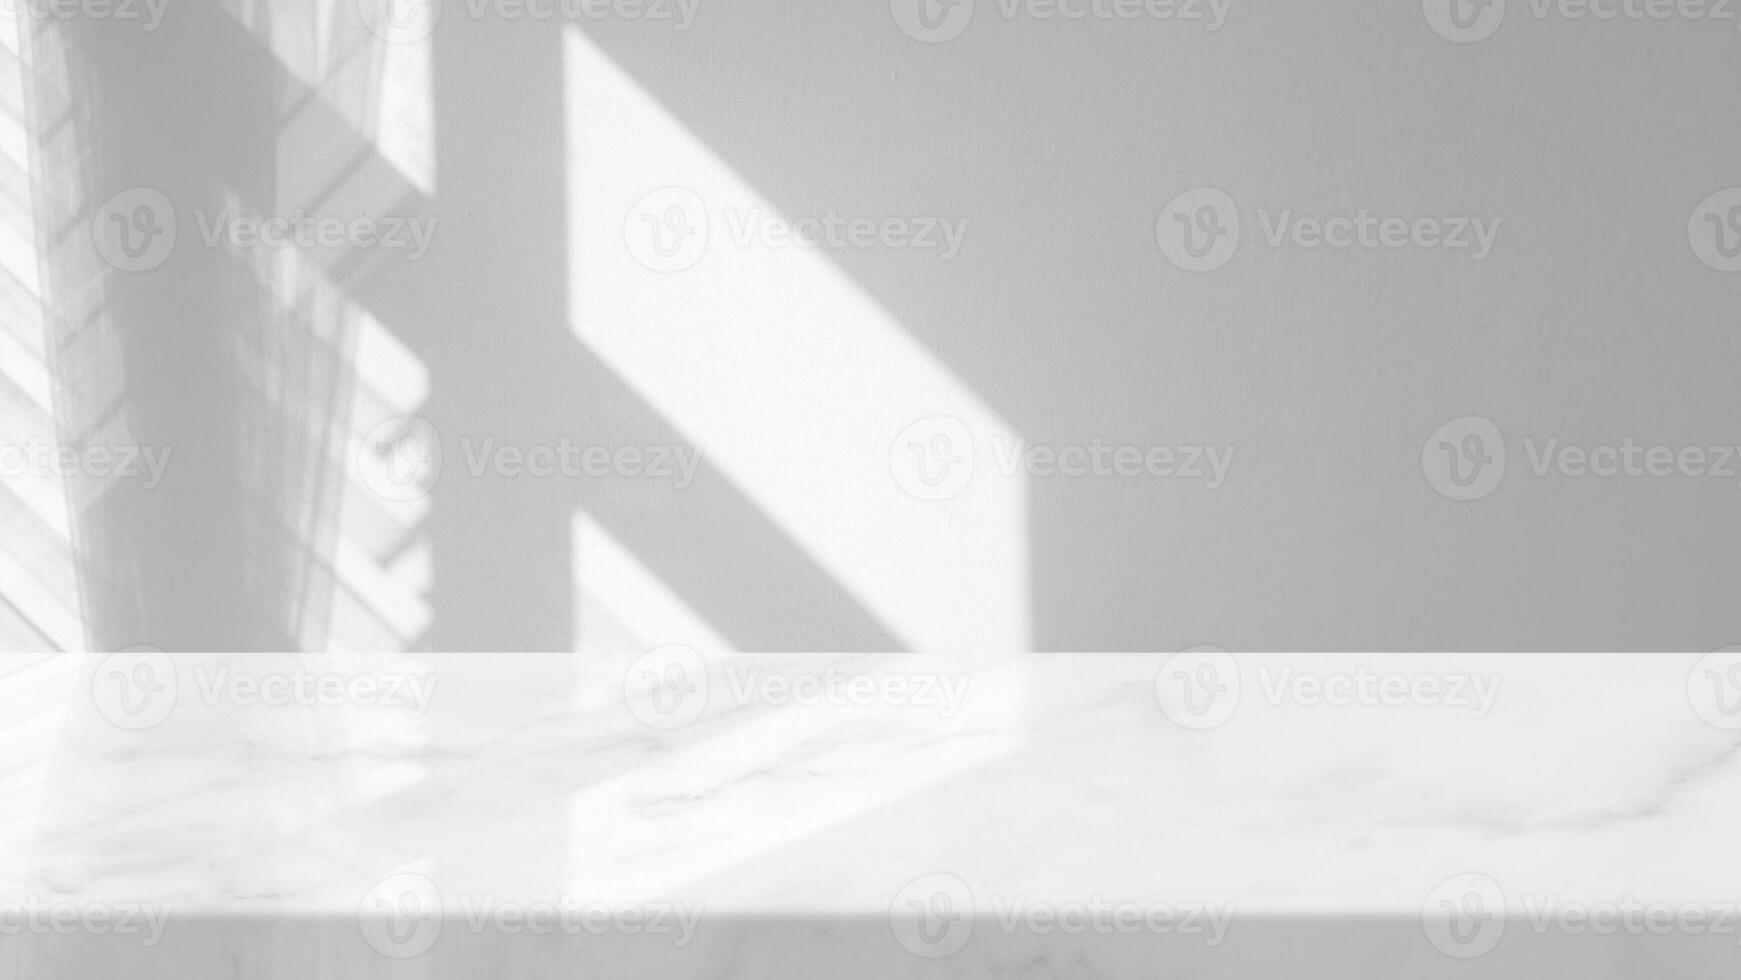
[1061, 139]
[1050, 312]
[487, 310]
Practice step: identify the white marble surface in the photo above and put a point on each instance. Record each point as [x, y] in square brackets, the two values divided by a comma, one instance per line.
[1588, 778]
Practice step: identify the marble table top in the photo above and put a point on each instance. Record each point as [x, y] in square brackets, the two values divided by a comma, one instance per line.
[1064, 810]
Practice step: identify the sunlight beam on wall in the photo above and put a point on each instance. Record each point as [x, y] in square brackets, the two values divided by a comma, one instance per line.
[795, 383]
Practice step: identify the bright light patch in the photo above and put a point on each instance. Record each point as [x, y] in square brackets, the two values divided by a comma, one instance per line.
[793, 380]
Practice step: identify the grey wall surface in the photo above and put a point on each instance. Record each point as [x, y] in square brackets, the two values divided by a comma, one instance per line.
[1357, 513]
